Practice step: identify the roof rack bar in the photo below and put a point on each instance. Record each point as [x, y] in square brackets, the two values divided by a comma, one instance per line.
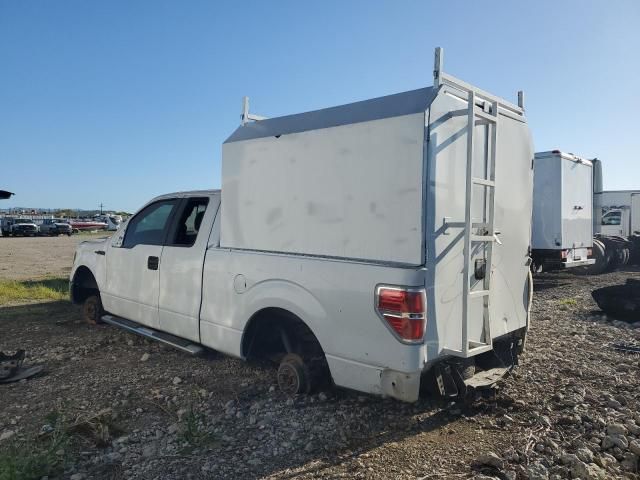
[442, 78]
[437, 66]
[521, 99]
[246, 117]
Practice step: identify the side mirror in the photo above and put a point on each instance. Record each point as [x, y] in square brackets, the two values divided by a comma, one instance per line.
[118, 237]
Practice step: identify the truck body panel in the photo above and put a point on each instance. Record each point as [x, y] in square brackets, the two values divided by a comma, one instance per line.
[343, 183]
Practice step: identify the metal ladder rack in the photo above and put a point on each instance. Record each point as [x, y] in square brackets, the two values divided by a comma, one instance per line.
[488, 237]
[485, 113]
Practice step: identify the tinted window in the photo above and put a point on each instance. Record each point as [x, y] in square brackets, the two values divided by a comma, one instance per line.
[150, 225]
[189, 222]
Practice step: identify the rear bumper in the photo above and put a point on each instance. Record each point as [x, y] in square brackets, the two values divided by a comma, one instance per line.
[577, 263]
[375, 380]
[441, 376]
[557, 260]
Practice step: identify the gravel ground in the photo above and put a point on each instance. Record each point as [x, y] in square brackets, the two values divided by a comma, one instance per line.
[142, 410]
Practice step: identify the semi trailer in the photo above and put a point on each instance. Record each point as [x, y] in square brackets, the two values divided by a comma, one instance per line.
[382, 246]
[616, 224]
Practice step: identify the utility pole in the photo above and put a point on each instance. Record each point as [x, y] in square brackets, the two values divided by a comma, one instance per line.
[101, 205]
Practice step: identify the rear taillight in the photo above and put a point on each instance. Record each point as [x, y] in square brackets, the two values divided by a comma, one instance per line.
[404, 311]
[563, 254]
[589, 252]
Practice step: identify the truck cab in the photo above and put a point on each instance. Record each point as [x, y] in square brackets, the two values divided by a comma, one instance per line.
[150, 271]
[55, 226]
[23, 227]
[613, 222]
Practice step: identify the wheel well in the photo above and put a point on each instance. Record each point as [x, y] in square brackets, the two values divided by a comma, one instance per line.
[273, 332]
[83, 285]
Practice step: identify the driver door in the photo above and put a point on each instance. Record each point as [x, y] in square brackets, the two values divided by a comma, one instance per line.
[133, 264]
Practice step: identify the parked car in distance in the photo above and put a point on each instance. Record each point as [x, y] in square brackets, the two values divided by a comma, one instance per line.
[113, 221]
[23, 227]
[55, 226]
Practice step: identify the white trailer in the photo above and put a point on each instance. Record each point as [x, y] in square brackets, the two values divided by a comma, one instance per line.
[562, 231]
[384, 242]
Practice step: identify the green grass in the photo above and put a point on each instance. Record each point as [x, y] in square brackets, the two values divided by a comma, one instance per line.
[13, 291]
[193, 433]
[569, 302]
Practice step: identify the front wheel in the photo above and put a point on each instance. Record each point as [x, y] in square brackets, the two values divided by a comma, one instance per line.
[92, 309]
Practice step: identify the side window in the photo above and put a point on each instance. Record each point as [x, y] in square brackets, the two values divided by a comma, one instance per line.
[612, 218]
[189, 223]
[150, 225]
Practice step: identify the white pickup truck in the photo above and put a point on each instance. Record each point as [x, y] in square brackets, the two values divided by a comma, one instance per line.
[381, 245]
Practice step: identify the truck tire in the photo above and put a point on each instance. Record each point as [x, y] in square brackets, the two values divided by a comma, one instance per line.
[92, 309]
[626, 255]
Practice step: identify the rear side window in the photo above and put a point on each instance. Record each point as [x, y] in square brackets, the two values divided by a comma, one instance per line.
[190, 221]
[149, 227]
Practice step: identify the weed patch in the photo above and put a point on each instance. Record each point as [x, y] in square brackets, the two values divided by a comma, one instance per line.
[568, 302]
[193, 433]
[13, 291]
[39, 458]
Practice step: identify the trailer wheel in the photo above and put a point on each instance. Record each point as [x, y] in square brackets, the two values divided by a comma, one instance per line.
[624, 256]
[92, 309]
[293, 375]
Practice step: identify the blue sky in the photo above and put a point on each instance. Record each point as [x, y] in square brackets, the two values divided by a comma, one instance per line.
[118, 101]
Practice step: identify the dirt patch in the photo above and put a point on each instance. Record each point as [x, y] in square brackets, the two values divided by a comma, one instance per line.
[28, 258]
[571, 409]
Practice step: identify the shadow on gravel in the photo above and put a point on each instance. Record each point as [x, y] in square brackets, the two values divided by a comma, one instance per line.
[546, 282]
[16, 320]
[100, 367]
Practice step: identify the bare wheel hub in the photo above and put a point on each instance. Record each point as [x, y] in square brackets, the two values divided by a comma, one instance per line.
[92, 310]
[292, 378]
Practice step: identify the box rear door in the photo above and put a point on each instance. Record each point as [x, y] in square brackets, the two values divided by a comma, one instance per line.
[577, 204]
[445, 203]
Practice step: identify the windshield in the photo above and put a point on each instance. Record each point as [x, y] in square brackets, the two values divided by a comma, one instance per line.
[23, 220]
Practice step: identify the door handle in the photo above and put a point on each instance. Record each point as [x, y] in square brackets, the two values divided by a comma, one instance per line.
[100, 252]
[152, 263]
